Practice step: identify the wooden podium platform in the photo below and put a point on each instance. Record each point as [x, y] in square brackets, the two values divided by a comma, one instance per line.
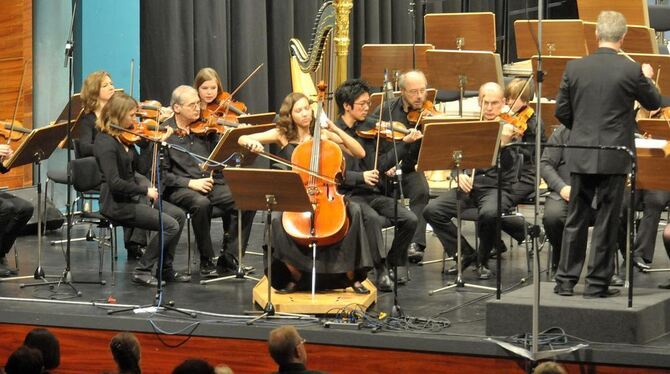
[325, 302]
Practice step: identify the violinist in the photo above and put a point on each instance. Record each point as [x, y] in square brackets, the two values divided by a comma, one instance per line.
[120, 193]
[363, 180]
[215, 103]
[340, 265]
[14, 215]
[413, 85]
[191, 188]
[480, 190]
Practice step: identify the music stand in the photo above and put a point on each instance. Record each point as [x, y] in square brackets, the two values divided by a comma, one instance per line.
[553, 68]
[639, 39]
[463, 70]
[258, 118]
[457, 146]
[226, 148]
[474, 31]
[549, 120]
[658, 62]
[268, 190]
[635, 11]
[392, 57]
[559, 38]
[38, 146]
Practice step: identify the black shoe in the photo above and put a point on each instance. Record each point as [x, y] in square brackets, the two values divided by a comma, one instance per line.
[484, 272]
[135, 251]
[503, 249]
[563, 291]
[145, 279]
[4, 264]
[414, 253]
[176, 277]
[208, 268]
[640, 264]
[402, 270]
[383, 281]
[601, 294]
[465, 263]
[616, 281]
[361, 290]
[4, 271]
[665, 286]
[290, 287]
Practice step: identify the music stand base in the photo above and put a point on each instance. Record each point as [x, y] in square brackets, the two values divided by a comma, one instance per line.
[459, 283]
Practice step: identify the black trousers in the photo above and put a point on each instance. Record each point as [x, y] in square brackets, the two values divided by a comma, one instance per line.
[147, 218]
[415, 188]
[131, 235]
[601, 196]
[440, 211]
[14, 214]
[645, 242]
[379, 208]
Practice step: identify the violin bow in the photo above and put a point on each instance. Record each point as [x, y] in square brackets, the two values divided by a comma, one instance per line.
[518, 96]
[658, 75]
[239, 86]
[288, 163]
[18, 99]
[379, 129]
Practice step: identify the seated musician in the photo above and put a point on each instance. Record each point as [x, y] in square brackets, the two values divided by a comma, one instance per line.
[653, 203]
[480, 191]
[120, 193]
[14, 215]
[364, 179]
[344, 264]
[554, 170]
[96, 91]
[186, 184]
[413, 85]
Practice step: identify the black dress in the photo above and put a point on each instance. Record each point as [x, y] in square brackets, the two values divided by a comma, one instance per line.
[332, 262]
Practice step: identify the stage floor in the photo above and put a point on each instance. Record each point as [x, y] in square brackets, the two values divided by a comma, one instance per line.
[223, 301]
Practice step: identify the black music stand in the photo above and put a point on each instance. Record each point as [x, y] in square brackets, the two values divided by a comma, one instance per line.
[226, 148]
[268, 190]
[38, 146]
[257, 118]
[456, 146]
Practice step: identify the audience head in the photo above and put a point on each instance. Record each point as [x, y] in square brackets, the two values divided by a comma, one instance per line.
[295, 111]
[287, 346]
[96, 91]
[491, 100]
[126, 352]
[550, 367]
[120, 111]
[353, 98]
[43, 340]
[25, 360]
[413, 85]
[208, 84]
[194, 366]
[223, 369]
[611, 27]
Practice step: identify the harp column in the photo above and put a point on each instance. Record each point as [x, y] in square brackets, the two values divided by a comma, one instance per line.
[342, 12]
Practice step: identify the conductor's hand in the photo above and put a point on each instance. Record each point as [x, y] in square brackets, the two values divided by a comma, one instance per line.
[202, 185]
[465, 182]
[648, 71]
[565, 193]
[253, 145]
[413, 136]
[6, 150]
[371, 177]
[152, 193]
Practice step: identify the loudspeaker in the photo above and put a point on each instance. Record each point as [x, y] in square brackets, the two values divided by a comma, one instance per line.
[53, 219]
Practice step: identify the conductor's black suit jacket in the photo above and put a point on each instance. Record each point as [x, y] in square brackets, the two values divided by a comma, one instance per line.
[595, 101]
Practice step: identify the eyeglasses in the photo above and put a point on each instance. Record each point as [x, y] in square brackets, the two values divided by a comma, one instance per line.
[192, 105]
[416, 92]
[363, 103]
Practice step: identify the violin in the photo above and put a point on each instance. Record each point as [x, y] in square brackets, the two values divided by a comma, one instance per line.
[519, 119]
[141, 130]
[12, 134]
[427, 110]
[149, 109]
[204, 127]
[395, 131]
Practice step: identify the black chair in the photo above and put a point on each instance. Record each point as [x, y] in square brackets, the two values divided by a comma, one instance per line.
[86, 180]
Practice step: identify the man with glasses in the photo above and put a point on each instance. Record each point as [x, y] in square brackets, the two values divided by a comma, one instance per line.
[186, 184]
[287, 349]
[364, 177]
[413, 85]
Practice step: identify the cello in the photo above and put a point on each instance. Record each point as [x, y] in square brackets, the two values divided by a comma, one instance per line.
[328, 223]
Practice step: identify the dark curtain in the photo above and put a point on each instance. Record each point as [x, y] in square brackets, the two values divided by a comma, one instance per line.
[178, 37]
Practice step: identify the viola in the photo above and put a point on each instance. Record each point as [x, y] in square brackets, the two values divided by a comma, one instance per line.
[212, 125]
[395, 131]
[149, 109]
[139, 130]
[328, 224]
[427, 110]
[519, 119]
[12, 134]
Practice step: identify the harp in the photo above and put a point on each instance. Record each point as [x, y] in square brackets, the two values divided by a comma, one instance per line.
[326, 58]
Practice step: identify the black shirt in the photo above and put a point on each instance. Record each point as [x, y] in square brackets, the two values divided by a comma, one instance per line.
[86, 135]
[395, 110]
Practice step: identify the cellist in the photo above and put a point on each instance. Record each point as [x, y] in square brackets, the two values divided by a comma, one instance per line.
[339, 265]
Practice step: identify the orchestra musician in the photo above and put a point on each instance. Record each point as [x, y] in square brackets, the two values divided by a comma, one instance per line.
[413, 85]
[595, 101]
[478, 191]
[15, 213]
[364, 180]
[120, 193]
[340, 265]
